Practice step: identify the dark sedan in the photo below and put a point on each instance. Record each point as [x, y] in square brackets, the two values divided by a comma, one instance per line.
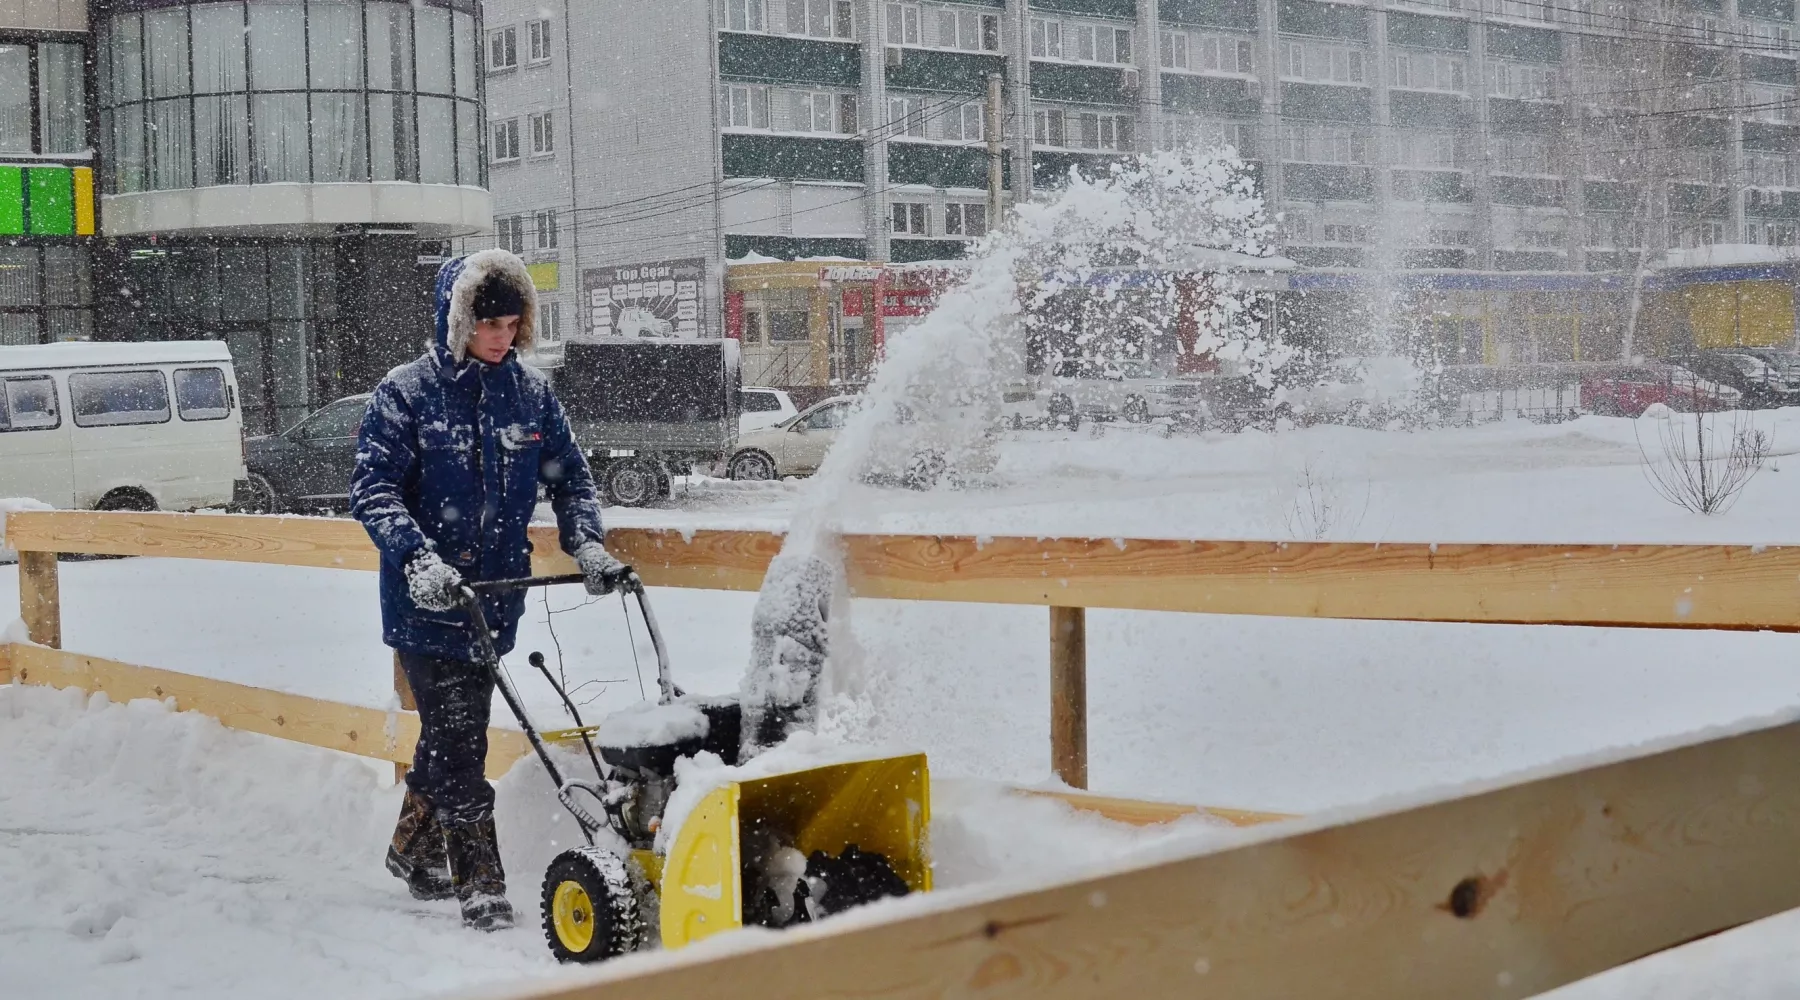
[306, 467]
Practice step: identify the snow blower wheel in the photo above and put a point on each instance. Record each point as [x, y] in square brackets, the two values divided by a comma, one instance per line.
[590, 908]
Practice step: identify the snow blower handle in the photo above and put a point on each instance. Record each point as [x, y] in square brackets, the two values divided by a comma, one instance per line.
[632, 584]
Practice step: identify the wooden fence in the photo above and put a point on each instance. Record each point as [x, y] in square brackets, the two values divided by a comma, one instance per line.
[1502, 892]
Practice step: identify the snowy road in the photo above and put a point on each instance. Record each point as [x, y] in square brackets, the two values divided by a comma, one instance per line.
[150, 847]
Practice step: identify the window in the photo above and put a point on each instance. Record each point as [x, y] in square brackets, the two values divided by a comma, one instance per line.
[751, 401]
[537, 35]
[743, 15]
[1771, 170]
[903, 24]
[341, 419]
[827, 418]
[1323, 144]
[509, 233]
[906, 116]
[1451, 237]
[200, 394]
[543, 224]
[506, 140]
[968, 30]
[30, 404]
[1524, 154]
[1526, 81]
[549, 329]
[543, 135]
[965, 220]
[788, 325]
[1316, 62]
[966, 122]
[1174, 50]
[503, 50]
[1197, 133]
[1046, 38]
[1345, 234]
[1082, 130]
[1047, 127]
[821, 18]
[111, 399]
[1425, 71]
[909, 218]
[743, 107]
[1427, 150]
[1079, 41]
[821, 111]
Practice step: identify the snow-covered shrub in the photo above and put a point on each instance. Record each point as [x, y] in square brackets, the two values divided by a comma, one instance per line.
[1704, 459]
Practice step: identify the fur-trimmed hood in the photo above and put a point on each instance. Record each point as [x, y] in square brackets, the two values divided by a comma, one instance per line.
[456, 284]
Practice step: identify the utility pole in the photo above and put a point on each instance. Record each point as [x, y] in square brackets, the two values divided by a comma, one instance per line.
[995, 116]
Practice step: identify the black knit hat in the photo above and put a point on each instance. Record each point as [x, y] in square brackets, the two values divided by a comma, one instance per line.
[497, 297]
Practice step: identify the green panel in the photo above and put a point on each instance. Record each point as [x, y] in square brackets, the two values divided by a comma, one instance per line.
[1304, 17]
[1767, 70]
[52, 200]
[1699, 199]
[795, 247]
[1774, 10]
[785, 59]
[792, 157]
[1427, 32]
[945, 72]
[1220, 95]
[1103, 8]
[942, 166]
[1051, 81]
[12, 201]
[1609, 196]
[1528, 44]
[905, 251]
[1324, 102]
[1525, 192]
[1327, 182]
[1324, 256]
[1435, 260]
[1239, 14]
[1433, 185]
[1051, 170]
[1532, 117]
[1423, 109]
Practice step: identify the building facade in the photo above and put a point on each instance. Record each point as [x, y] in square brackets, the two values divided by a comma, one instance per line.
[284, 176]
[1490, 175]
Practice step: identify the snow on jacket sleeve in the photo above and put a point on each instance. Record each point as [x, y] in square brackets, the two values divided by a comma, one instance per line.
[387, 459]
[568, 481]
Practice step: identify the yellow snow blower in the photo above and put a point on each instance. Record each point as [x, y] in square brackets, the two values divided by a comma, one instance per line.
[771, 850]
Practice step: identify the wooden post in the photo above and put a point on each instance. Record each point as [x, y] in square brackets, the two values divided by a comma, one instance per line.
[40, 603]
[404, 690]
[1068, 695]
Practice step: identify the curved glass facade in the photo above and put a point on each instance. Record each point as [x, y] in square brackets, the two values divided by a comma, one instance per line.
[267, 92]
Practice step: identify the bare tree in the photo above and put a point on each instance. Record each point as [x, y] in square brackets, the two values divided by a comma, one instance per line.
[1704, 466]
[1319, 506]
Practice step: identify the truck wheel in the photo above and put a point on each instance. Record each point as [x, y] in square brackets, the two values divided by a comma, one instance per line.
[1137, 411]
[262, 497]
[629, 482]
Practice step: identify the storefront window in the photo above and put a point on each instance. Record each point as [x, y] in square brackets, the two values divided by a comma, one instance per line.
[45, 294]
[15, 99]
[321, 92]
[62, 97]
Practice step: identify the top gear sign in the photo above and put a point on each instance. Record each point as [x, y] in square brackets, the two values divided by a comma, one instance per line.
[655, 300]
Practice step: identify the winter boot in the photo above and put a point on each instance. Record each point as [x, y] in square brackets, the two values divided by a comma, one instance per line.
[416, 855]
[475, 871]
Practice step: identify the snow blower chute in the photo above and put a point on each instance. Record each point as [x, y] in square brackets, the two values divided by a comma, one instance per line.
[770, 850]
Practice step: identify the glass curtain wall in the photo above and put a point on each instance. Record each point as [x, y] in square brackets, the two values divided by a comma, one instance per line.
[44, 293]
[59, 102]
[321, 92]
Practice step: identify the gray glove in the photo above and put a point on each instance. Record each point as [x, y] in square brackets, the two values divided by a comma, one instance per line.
[433, 584]
[604, 572]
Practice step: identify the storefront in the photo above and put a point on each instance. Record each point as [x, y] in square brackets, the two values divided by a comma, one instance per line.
[46, 189]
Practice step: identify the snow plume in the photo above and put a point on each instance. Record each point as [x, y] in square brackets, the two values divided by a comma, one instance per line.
[1100, 269]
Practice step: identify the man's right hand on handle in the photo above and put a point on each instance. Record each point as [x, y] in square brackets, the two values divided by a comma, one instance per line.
[434, 584]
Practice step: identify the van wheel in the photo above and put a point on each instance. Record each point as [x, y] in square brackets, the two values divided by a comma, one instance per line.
[126, 498]
[1137, 411]
[263, 498]
[630, 482]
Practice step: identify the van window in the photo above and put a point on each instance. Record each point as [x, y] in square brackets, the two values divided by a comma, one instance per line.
[28, 404]
[200, 394]
[110, 399]
[759, 402]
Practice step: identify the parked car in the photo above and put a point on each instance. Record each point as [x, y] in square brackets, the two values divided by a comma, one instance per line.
[1347, 390]
[307, 466]
[908, 451]
[121, 426]
[1125, 389]
[1765, 379]
[1629, 391]
[762, 407]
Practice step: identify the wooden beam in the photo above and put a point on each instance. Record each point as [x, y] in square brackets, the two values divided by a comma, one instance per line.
[1663, 586]
[1141, 812]
[367, 732]
[1497, 893]
[40, 600]
[1068, 696]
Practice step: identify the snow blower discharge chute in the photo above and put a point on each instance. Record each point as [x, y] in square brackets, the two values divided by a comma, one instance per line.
[771, 850]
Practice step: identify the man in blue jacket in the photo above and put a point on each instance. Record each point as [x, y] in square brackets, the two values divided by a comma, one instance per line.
[452, 450]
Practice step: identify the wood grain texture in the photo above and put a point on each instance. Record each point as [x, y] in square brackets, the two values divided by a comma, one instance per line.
[40, 598]
[367, 732]
[1662, 586]
[1141, 812]
[1068, 696]
[1495, 894]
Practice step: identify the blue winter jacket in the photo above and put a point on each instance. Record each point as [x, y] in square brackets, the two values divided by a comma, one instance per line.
[450, 457]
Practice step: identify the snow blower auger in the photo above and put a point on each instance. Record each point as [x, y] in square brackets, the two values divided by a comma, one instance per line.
[771, 850]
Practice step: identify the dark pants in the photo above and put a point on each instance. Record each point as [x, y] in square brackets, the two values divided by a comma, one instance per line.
[454, 697]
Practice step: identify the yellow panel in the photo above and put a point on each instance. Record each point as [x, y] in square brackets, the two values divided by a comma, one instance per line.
[879, 805]
[652, 864]
[700, 885]
[84, 201]
[1712, 312]
[546, 277]
[1766, 313]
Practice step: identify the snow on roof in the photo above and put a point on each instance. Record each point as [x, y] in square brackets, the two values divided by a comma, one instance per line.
[80, 354]
[1727, 254]
[754, 258]
[828, 259]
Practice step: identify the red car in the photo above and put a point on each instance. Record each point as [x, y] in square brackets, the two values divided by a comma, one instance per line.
[1628, 392]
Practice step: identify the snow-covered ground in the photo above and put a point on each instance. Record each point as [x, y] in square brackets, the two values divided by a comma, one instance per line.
[127, 803]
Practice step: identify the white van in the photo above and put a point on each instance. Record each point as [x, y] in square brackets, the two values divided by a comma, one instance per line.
[141, 426]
